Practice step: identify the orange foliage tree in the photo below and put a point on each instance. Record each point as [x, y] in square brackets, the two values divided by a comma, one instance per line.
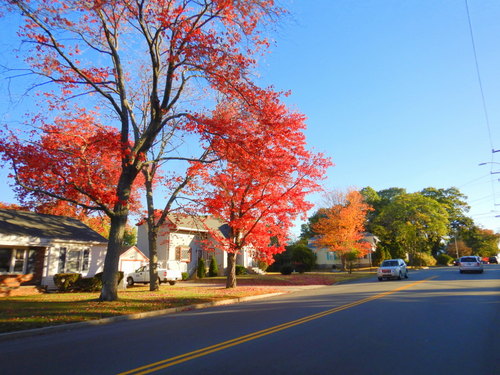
[340, 226]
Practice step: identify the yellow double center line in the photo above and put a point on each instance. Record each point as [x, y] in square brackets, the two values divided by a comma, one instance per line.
[255, 335]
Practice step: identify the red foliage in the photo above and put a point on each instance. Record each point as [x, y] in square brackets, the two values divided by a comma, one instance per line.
[265, 173]
[74, 159]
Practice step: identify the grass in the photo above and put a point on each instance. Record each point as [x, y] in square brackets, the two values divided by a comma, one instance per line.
[42, 310]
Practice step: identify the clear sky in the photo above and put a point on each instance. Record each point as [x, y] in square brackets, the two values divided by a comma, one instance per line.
[391, 92]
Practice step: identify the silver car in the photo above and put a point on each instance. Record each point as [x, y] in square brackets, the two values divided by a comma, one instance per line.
[392, 269]
[470, 263]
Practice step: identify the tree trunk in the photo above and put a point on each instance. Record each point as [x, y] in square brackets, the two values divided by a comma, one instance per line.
[154, 283]
[109, 290]
[231, 270]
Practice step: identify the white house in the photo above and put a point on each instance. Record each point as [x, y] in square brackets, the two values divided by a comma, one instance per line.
[329, 259]
[184, 238]
[44, 245]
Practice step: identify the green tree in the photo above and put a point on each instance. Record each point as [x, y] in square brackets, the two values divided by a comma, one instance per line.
[201, 271]
[454, 202]
[483, 242]
[410, 224]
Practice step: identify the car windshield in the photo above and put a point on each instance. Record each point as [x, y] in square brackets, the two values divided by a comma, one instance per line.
[390, 263]
[468, 259]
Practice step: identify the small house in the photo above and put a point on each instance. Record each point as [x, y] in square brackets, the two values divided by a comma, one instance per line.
[40, 246]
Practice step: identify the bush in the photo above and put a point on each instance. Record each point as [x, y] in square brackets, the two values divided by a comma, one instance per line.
[444, 259]
[185, 276]
[301, 268]
[240, 270]
[201, 272]
[213, 269]
[303, 257]
[423, 259]
[65, 282]
[286, 269]
[88, 284]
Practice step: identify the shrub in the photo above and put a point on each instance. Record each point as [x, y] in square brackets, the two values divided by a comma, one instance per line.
[302, 257]
[423, 259]
[88, 284]
[444, 259]
[286, 269]
[240, 270]
[300, 268]
[185, 276]
[201, 271]
[213, 269]
[65, 282]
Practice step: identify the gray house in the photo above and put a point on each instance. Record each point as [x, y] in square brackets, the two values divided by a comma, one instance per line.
[42, 245]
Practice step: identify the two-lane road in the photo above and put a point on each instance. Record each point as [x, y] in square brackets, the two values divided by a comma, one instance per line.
[436, 322]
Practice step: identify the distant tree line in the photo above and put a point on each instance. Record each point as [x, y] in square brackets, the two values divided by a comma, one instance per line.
[424, 227]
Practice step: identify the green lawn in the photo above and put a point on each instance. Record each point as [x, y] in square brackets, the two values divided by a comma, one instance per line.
[27, 312]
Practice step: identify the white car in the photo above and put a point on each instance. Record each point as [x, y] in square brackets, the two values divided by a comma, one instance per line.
[392, 269]
[171, 274]
[470, 263]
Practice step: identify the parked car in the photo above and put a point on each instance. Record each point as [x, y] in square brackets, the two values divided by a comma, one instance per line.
[171, 274]
[470, 263]
[493, 260]
[392, 269]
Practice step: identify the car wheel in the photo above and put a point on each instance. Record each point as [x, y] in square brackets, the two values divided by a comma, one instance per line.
[130, 281]
[380, 279]
[172, 282]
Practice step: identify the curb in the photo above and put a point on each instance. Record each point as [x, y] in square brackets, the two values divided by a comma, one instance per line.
[69, 326]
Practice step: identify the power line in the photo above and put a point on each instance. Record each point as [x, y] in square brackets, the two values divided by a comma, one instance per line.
[485, 109]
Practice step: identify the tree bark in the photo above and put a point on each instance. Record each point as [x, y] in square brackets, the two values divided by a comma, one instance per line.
[109, 290]
[154, 282]
[231, 270]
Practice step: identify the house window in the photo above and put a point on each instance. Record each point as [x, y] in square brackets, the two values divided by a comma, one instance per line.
[73, 260]
[183, 253]
[330, 255]
[20, 261]
[86, 260]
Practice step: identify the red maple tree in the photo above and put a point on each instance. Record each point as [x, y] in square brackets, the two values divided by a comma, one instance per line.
[136, 64]
[259, 187]
[340, 226]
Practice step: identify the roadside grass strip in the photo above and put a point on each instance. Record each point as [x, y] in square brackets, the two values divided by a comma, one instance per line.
[156, 366]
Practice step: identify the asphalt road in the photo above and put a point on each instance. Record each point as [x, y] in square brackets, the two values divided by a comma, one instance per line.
[436, 322]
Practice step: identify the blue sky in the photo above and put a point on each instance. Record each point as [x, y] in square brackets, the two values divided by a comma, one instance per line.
[391, 92]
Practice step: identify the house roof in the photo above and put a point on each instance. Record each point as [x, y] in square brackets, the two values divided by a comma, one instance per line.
[199, 223]
[48, 227]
